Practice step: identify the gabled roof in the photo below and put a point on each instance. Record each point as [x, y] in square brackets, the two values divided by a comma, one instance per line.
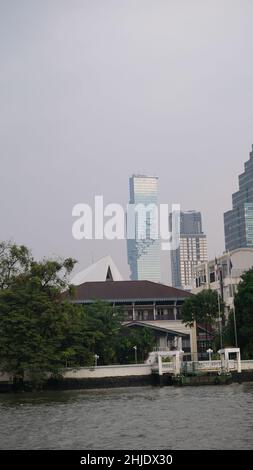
[103, 270]
[128, 290]
[156, 325]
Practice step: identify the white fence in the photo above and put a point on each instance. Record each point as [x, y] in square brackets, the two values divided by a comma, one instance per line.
[205, 366]
[201, 365]
[247, 365]
[168, 366]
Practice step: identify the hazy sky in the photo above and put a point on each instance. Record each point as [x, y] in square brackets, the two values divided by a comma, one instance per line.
[92, 91]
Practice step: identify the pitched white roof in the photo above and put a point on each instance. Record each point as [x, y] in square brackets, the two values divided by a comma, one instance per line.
[100, 271]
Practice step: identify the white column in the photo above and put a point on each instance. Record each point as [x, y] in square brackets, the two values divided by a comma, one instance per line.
[177, 360]
[154, 310]
[239, 365]
[207, 276]
[175, 310]
[222, 358]
[193, 342]
[226, 360]
[160, 365]
[134, 311]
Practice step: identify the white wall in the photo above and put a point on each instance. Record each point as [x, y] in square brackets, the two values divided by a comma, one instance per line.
[242, 259]
[108, 371]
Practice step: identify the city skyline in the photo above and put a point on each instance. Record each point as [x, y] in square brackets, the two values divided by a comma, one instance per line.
[90, 95]
[126, 273]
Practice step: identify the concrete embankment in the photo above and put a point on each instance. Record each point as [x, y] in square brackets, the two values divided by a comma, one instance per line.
[126, 376]
[244, 376]
[105, 377]
[91, 377]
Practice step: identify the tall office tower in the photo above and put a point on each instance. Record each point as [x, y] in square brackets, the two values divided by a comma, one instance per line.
[238, 222]
[144, 254]
[192, 249]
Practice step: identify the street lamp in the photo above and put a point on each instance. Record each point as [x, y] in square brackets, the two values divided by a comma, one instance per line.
[135, 353]
[96, 359]
[210, 352]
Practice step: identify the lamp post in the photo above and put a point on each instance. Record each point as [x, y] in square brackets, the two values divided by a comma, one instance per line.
[96, 359]
[210, 352]
[220, 321]
[135, 353]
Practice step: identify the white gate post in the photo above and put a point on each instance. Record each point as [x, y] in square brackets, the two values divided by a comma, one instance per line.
[160, 365]
[239, 365]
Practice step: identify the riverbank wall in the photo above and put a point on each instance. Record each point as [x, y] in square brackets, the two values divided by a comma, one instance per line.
[133, 375]
[90, 378]
[105, 377]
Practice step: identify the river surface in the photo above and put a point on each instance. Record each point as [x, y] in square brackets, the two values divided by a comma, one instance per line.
[210, 417]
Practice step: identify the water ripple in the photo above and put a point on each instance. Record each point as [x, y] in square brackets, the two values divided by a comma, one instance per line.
[210, 417]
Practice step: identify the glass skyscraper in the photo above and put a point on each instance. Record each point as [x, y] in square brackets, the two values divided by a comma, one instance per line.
[238, 222]
[191, 252]
[144, 254]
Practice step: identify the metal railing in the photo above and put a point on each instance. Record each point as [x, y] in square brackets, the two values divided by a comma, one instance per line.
[209, 366]
[161, 349]
[168, 366]
[247, 365]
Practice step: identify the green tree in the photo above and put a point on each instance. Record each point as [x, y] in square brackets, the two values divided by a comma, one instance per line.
[202, 308]
[14, 260]
[104, 326]
[244, 317]
[229, 331]
[141, 337]
[34, 320]
[78, 337]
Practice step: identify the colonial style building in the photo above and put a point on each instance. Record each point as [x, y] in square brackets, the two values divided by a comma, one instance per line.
[145, 303]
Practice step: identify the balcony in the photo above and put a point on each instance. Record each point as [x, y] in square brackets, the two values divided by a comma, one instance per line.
[165, 317]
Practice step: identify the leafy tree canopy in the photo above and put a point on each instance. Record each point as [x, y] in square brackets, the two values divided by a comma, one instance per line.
[244, 317]
[202, 308]
[141, 337]
[14, 260]
[33, 318]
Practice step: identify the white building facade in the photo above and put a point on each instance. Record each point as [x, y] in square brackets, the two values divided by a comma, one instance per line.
[223, 274]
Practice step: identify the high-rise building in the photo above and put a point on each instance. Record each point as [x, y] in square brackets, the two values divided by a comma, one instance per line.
[192, 250]
[238, 222]
[144, 254]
